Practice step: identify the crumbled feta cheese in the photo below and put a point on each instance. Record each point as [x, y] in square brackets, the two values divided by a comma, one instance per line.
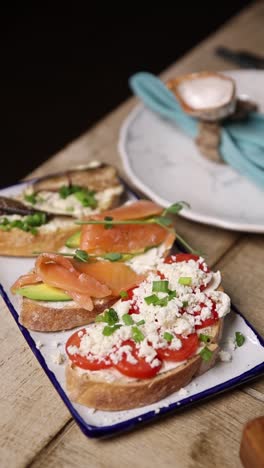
[225, 356]
[58, 358]
[183, 392]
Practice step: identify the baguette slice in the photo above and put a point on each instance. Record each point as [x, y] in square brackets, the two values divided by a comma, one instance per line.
[122, 394]
[53, 235]
[22, 244]
[47, 318]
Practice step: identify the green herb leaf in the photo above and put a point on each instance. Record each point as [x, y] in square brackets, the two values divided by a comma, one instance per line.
[168, 337]
[141, 322]
[185, 303]
[171, 295]
[113, 256]
[240, 339]
[153, 299]
[204, 338]
[86, 198]
[81, 255]
[123, 294]
[111, 316]
[206, 354]
[162, 221]
[108, 222]
[127, 319]
[107, 331]
[31, 198]
[160, 286]
[137, 334]
[175, 208]
[185, 280]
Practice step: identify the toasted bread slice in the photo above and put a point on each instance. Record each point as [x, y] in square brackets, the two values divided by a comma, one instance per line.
[50, 317]
[53, 235]
[123, 393]
[23, 244]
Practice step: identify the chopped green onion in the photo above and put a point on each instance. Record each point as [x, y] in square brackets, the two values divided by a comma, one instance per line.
[153, 299]
[168, 337]
[171, 295]
[185, 303]
[113, 256]
[86, 198]
[240, 339]
[141, 322]
[127, 319]
[107, 331]
[123, 294]
[31, 198]
[204, 338]
[110, 317]
[137, 335]
[185, 280]
[81, 255]
[160, 286]
[206, 354]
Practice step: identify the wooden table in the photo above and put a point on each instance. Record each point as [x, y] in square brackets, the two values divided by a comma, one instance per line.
[36, 428]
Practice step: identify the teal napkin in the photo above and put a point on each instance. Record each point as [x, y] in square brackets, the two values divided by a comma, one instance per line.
[242, 143]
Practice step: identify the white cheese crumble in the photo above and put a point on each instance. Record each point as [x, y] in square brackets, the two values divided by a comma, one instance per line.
[225, 356]
[183, 392]
[176, 318]
[54, 203]
[58, 358]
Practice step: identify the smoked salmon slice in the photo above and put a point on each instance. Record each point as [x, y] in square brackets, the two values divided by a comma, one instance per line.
[117, 276]
[125, 238]
[81, 281]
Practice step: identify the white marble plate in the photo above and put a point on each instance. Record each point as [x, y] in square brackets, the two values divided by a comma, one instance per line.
[166, 165]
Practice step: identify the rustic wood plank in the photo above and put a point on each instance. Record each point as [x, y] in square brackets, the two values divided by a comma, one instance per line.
[29, 427]
[206, 435]
[28, 402]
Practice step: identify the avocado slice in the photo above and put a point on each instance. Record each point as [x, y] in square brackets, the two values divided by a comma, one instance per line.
[74, 241]
[43, 292]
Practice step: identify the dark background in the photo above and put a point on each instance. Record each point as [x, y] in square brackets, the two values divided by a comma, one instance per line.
[61, 71]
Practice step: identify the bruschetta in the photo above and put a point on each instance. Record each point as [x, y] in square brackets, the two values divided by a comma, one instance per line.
[68, 290]
[43, 216]
[153, 341]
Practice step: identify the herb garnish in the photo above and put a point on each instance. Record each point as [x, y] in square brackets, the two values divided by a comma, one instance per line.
[161, 220]
[31, 198]
[110, 316]
[28, 223]
[168, 337]
[81, 255]
[107, 331]
[123, 294]
[239, 338]
[86, 197]
[127, 319]
[137, 334]
[204, 338]
[206, 354]
[185, 280]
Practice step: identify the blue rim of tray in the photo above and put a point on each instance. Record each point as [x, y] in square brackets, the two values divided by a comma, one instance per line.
[106, 431]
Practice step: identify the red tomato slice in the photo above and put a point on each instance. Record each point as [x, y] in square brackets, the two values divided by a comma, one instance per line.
[140, 370]
[209, 321]
[133, 307]
[189, 346]
[185, 257]
[83, 361]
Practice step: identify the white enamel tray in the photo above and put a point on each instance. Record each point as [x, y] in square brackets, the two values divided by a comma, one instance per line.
[166, 165]
[247, 361]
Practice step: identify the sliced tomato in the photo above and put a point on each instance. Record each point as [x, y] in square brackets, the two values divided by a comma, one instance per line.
[189, 346]
[140, 370]
[209, 321]
[85, 362]
[133, 307]
[185, 257]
